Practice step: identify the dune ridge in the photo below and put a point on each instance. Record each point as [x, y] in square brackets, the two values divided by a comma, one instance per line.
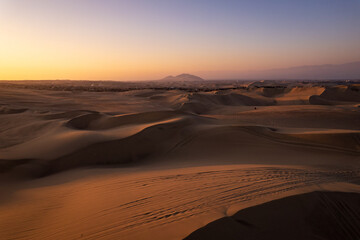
[164, 138]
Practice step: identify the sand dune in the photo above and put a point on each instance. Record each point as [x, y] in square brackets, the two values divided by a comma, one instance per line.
[97, 121]
[204, 102]
[337, 95]
[177, 137]
[153, 161]
[67, 115]
[317, 215]
[231, 99]
[298, 116]
[274, 91]
[148, 204]
[5, 110]
[299, 95]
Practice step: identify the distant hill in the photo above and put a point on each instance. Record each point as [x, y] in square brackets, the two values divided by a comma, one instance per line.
[182, 78]
[347, 71]
[327, 71]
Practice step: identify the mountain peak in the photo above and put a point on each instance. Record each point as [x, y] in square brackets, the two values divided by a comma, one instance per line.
[185, 77]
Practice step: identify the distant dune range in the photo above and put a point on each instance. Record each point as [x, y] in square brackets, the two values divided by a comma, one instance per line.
[170, 160]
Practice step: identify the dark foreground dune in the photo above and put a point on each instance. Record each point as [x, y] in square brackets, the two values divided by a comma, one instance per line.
[310, 216]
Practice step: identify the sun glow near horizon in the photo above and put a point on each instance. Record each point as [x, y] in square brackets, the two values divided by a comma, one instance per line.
[139, 40]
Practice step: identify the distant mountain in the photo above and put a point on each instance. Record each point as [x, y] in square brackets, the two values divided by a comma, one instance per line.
[346, 71]
[327, 71]
[182, 78]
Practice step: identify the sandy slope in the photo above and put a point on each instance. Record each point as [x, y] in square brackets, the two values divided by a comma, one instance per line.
[183, 158]
[163, 204]
[316, 215]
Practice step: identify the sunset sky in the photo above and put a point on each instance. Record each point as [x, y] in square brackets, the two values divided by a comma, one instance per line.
[149, 39]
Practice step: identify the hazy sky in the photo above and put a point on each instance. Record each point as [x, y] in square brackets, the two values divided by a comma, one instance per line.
[148, 39]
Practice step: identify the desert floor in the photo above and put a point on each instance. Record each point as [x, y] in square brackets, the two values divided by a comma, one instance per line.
[162, 163]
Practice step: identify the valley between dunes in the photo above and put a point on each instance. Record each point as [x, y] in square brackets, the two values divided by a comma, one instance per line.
[162, 163]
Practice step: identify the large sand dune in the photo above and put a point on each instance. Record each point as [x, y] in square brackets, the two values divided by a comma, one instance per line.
[317, 215]
[160, 162]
